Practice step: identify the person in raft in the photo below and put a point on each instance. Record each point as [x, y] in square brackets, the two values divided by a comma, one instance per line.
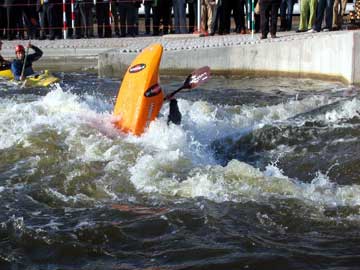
[3, 63]
[18, 63]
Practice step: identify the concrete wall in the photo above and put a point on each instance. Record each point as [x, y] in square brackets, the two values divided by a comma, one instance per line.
[335, 55]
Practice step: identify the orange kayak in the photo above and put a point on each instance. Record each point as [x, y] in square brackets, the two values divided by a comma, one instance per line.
[140, 97]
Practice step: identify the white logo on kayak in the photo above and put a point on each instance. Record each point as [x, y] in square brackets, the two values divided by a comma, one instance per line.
[137, 68]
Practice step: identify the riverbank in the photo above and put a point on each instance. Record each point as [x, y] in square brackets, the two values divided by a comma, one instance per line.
[330, 55]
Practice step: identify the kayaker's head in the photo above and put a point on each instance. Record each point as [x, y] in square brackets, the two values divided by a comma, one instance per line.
[19, 52]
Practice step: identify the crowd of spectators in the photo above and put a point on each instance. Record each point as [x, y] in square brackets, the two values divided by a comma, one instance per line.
[44, 19]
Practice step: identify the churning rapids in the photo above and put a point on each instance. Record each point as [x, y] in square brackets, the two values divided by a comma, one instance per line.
[261, 174]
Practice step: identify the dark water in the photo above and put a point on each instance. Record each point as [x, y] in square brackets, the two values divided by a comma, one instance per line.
[262, 174]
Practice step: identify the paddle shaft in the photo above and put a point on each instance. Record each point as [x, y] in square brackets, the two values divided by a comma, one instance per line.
[23, 67]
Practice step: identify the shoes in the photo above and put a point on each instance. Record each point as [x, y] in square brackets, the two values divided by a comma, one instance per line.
[273, 36]
[242, 32]
[326, 30]
[312, 31]
[263, 37]
[300, 31]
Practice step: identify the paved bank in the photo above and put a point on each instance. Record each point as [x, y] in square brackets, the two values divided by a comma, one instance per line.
[327, 54]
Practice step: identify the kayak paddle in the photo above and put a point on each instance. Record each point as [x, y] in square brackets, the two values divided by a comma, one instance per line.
[23, 68]
[194, 79]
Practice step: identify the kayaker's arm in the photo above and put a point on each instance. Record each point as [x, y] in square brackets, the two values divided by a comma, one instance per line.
[35, 56]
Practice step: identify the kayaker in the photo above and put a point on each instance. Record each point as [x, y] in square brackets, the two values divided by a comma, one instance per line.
[174, 112]
[18, 63]
[4, 64]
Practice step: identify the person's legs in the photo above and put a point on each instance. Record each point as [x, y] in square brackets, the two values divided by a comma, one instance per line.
[319, 14]
[304, 15]
[312, 17]
[335, 22]
[290, 9]
[264, 18]
[147, 18]
[329, 14]
[274, 16]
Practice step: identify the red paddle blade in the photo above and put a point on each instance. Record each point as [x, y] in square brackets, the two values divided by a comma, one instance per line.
[197, 77]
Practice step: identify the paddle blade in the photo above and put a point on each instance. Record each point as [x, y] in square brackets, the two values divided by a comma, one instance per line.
[194, 79]
[197, 77]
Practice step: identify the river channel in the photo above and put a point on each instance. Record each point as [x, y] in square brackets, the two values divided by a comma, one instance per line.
[262, 173]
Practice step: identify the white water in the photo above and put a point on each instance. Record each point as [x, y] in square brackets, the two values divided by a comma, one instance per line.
[171, 160]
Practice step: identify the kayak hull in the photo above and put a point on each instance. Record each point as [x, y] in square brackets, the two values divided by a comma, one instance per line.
[6, 74]
[41, 80]
[140, 97]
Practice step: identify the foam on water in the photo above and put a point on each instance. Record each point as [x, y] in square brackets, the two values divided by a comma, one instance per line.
[171, 160]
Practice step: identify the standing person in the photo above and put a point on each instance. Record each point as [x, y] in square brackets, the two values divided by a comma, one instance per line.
[102, 17]
[116, 16]
[192, 7]
[239, 16]
[20, 61]
[31, 19]
[135, 11]
[215, 18]
[127, 11]
[324, 7]
[4, 64]
[44, 25]
[13, 15]
[52, 10]
[2, 18]
[286, 13]
[84, 12]
[207, 12]
[179, 16]
[307, 15]
[338, 14]
[268, 8]
[161, 10]
[147, 6]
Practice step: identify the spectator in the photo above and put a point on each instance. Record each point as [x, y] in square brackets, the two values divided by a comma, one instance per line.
[84, 14]
[13, 16]
[44, 25]
[338, 14]
[307, 15]
[286, 13]
[127, 11]
[267, 8]
[207, 12]
[323, 7]
[147, 6]
[192, 8]
[102, 17]
[180, 16]
[3, 18]
[161, 10]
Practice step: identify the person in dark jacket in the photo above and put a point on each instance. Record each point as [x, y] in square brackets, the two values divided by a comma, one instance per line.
[174, 112]
[18, 63]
